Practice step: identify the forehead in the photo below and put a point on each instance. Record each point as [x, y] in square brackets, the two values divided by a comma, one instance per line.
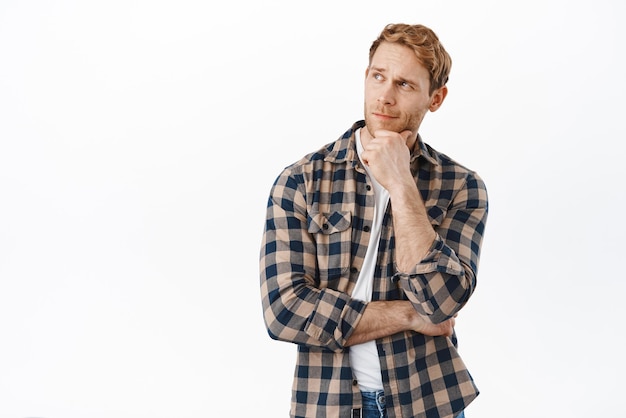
[399, 60]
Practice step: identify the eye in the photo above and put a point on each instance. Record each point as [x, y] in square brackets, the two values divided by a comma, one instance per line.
[378, 76]
[405, 85]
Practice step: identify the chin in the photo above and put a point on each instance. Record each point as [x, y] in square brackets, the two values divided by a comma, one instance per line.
[374, 124]
[390, 126]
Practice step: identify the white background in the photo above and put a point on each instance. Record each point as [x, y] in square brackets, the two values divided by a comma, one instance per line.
[138, 142]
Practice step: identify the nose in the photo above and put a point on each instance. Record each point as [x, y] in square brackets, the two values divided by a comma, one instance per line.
[385, 96]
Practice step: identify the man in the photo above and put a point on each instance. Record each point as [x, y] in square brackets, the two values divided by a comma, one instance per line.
[371, 247]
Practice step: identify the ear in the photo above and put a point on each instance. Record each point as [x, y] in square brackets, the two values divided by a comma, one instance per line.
[438, 97]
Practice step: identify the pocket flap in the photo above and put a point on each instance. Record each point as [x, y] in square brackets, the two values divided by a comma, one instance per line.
[328, 223]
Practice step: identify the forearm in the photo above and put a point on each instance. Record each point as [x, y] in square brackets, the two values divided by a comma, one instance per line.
[381, 319]
[384, 318]
[442, 283]
[437, 269]
[413, 231]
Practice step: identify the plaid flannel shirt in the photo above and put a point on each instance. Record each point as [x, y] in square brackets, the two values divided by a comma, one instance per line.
[316, 233]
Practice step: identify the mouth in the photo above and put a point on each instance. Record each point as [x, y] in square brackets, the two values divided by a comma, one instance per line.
[383, 116]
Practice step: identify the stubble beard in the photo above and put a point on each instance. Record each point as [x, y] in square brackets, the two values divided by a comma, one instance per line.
[394, 125]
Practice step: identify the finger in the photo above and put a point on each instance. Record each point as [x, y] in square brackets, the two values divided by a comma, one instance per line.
[406, 135]
[385, 133]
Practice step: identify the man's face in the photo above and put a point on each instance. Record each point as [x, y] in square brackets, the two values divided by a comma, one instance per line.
[396, 91]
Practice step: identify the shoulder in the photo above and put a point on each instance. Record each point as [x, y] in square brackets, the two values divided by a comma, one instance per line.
[456, 181]
[339, 151]
[451, 167]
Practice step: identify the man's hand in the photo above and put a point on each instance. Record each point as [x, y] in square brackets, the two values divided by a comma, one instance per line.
[387, 156]
[423, 326]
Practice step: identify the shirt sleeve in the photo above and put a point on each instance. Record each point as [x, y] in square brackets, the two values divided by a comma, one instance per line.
[295, 307]
[442, 283]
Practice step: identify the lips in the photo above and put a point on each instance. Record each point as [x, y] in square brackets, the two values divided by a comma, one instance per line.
[383, 115]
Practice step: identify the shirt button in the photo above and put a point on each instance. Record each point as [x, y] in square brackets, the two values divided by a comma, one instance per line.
[368, 187]
[366, 228]
[325, 226]
[354, 382]
[354, 270]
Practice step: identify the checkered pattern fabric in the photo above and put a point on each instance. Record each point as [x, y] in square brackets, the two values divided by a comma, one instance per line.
[316, 233]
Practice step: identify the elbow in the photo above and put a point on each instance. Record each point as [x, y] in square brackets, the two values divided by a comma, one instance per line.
[272, 333]
[450, 306]
[443, 304]
[281, 324]
[273, 325]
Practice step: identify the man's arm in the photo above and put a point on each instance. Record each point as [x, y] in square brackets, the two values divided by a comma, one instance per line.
[436, 269]
[388, 158]
[384, 318]
[295, 308]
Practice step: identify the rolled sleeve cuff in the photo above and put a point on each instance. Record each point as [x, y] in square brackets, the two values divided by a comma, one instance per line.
[418, 283]
[440, 258]
[334, 318]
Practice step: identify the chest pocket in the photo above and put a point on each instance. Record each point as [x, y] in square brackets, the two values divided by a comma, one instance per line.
[333, 238]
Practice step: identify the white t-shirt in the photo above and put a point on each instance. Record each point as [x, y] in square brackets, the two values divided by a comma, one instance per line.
[364, 357]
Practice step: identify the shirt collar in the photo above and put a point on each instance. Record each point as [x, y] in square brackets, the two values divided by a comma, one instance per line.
[420, 149]
[345, 149]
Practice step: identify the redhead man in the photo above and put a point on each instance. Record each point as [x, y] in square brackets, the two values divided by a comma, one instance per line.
[371, 248]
